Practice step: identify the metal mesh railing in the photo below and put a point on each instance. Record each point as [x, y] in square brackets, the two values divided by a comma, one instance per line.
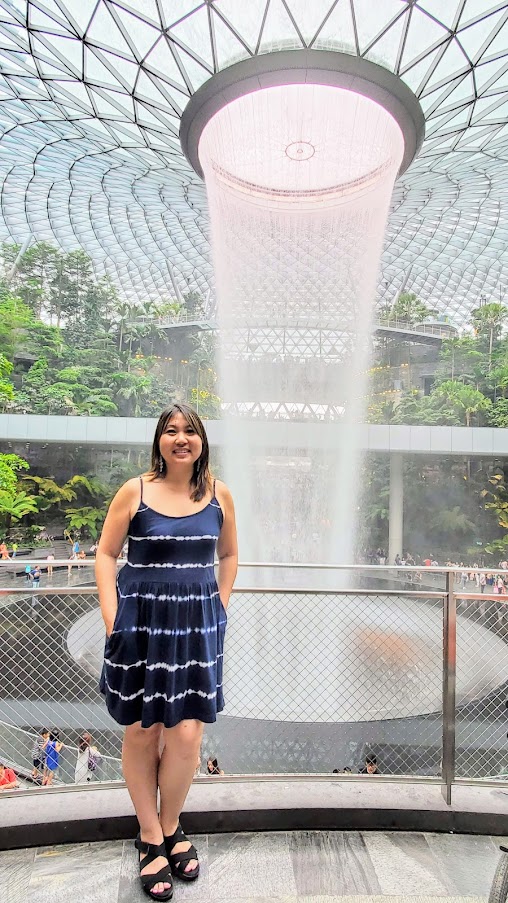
[482, 677]
[314, 680]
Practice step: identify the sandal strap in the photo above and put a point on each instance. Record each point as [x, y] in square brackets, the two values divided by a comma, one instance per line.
[163, 875]
[180, 837]
[183, 858]
[152, 851]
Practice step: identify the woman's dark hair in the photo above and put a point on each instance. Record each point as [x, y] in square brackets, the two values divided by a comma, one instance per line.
[215, 766]
[201, 478]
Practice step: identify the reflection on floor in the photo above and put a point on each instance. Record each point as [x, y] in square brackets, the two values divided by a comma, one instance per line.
[297, 867]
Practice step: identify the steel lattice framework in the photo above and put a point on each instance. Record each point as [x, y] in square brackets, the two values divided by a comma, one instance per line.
[91, 94]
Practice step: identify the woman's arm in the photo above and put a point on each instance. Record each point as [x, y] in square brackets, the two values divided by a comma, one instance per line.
[227, 546]
[114, 531]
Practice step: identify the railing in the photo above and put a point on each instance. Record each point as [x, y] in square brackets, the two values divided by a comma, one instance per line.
[445, 330]
[315, 677]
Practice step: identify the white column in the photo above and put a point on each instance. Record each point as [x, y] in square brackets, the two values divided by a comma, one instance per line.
[396, 507]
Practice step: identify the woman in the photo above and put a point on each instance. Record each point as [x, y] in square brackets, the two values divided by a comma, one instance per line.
[165, 621]
[212, 767]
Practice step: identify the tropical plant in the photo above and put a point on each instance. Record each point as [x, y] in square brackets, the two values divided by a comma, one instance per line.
[14, 506]
[489, 320]
[408, 308]
[87, 518]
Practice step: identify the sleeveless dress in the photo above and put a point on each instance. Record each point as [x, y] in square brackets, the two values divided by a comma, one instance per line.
[163, 658]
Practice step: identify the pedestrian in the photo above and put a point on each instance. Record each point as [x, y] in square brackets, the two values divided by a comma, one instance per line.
[28, 573]
[88, 760]
[14, 549]
[50, 559]
[39, 755]
[4, 552]
[36, 576]
[54, 747]
[165, 619]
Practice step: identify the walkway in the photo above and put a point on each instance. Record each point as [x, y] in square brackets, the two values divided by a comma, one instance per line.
[297, 867]
[132, 432]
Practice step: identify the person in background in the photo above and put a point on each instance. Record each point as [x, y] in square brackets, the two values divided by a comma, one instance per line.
[87, 761]
[28, 573]
[36, 576]
[39, 754]
[53, 749]
[75, 547]
[370, 765]
[14, 549]
[8, 779]
[4, 552]
[212, 766]
[50, 559]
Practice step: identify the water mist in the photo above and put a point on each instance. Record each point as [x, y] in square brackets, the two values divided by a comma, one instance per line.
[299, 180]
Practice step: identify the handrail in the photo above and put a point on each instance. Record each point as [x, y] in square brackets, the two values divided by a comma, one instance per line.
[449, 597]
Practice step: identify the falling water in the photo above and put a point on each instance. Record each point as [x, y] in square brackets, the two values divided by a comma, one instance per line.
[299, 180]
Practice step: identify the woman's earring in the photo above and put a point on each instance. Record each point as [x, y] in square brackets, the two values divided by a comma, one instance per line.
[161, 463]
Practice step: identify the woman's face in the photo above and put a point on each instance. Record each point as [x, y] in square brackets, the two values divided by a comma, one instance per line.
[179, 444]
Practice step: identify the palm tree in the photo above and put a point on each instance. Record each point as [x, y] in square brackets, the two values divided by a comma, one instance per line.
[490, 319]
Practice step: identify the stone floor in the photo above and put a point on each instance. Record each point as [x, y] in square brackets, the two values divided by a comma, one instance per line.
[299, 867]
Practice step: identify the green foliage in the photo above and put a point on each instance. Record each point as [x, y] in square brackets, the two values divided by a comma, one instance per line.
[409, 309]
[10, 467]
[87, 518]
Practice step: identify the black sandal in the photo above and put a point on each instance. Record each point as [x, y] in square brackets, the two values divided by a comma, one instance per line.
[163, 875]
[178, 861]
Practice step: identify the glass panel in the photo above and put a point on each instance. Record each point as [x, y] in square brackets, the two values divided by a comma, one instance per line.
[444, 12]
[246, 18]
[161, 59]
[338, 31]
[279, 31]
[104, 32]
[229, 48]
[174, 12]
[309, 16]
[195, 33]
[472, 38]
[386, 50]
[141, 34]
[373, 18]
[423, 33]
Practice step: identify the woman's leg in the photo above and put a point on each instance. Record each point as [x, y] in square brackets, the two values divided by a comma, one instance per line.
[140, 761]
[176, 770]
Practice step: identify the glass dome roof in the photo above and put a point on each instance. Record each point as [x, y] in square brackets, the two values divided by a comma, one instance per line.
[91, 94]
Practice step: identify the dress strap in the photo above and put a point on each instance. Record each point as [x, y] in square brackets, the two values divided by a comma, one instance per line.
[214, 482]
[141, 496]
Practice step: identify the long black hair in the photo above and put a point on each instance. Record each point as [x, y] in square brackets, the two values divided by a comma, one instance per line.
[201, 478]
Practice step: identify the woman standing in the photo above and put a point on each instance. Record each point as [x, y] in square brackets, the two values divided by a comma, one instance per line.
[165, 621]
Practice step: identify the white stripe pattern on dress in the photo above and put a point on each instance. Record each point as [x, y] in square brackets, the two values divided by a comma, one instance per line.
[176, 538]
[163, 597]
[161, 631]
[163, 695]
[179, 567]
[163, 665]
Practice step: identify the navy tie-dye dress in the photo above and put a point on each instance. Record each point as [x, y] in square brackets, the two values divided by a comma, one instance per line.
[163, 659]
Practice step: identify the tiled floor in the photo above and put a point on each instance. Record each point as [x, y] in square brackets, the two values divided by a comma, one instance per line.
[299, 867]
